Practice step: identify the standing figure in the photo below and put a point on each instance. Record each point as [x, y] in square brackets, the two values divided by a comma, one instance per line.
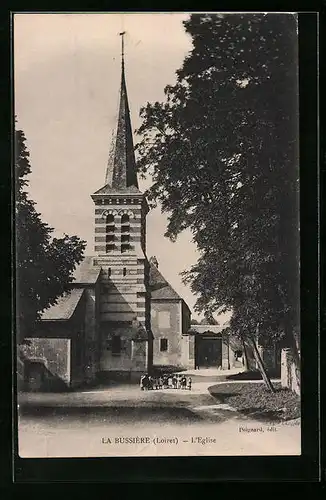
[189, 383]
[145, 382]
[142, 382]
[175, 381]
[183, 383]
[166, 382]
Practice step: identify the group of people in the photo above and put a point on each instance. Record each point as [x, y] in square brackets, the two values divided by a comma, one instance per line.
[165, 381]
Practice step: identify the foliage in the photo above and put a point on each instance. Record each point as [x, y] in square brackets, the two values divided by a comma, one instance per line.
[44, 265]
[223, 154]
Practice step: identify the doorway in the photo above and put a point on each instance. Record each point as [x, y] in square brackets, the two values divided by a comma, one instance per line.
[208, 352]
[34, 376]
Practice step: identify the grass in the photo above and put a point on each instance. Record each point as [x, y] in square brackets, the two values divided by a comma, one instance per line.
[257, 401]
[253, 375]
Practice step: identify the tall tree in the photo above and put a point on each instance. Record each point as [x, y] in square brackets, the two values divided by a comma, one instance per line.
[44, 265]
[223, 154]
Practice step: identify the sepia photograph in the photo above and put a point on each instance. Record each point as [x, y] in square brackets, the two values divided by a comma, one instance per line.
[157, 234]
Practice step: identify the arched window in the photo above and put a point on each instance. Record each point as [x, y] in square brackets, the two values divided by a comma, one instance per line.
[124, 272]
[125, 233]
[110, 219]
[109, 230]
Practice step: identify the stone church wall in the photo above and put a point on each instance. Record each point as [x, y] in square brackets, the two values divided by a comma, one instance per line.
[166, 328]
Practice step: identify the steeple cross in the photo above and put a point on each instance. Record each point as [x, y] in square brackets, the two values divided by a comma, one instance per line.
[122, 34]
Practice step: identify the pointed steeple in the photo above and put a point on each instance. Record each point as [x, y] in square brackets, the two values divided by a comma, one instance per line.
[121, 169]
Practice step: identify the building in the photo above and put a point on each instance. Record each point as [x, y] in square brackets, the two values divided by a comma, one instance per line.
[170, 322]
[121, 316]
[212, 347]
[63, 351]
[107, 313]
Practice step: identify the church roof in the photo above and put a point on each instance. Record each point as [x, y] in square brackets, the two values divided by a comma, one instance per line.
[121, 173]
[65, 306]
[166, 292]
[86, 273]
[160, 288]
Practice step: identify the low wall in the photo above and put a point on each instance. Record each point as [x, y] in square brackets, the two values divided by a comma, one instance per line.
[288, 371]
[123, 377]
[53, 353]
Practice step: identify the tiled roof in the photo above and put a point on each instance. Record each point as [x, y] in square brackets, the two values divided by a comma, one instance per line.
[156, 280]
[160, 288]
[65, 306]
[165, 292]
[86, 273]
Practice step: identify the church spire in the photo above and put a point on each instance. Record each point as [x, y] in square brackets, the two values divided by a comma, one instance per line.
[121, 169]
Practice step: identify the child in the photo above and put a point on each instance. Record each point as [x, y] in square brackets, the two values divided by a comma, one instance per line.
[142, 382]
[166, 382]
[150, 383]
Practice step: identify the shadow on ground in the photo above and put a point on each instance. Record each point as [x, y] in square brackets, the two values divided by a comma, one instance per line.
[264, 415]
[252, 375]
[73, 417]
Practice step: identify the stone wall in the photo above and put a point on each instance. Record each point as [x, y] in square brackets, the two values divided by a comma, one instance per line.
[91, 336]
[53, 353]
[133, 354]
[225, 354]
[186, 318]
[288, 371]
[188, 351]
[167, 330]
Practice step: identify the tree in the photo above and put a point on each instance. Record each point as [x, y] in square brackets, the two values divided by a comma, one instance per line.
[223, 154]
[44, 265]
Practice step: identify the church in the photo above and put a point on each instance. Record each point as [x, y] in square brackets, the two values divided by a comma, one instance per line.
[120, 313]
[121, 317]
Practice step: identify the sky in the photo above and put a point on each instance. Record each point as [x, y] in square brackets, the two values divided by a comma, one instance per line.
[66, 85]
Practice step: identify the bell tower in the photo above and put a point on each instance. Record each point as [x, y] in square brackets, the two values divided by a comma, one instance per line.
[120, 250]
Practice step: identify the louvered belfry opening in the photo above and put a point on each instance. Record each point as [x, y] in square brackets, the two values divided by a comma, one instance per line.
[125, 233]
[110, 233]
